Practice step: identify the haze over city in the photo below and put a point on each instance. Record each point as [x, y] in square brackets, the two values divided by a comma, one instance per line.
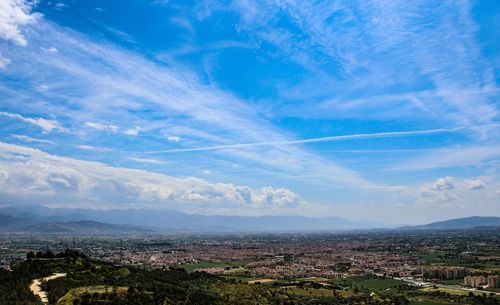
[385, 111]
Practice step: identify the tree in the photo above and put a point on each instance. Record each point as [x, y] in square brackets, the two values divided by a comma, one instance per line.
[30, 256]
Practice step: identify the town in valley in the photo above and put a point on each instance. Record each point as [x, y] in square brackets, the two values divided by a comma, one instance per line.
[416, 267]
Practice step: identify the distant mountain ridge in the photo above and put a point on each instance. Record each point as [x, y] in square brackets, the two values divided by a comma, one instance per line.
[173, 221]
[84, 227]
[10, 221]
[458, 223]
[88, 227]
[41, 219]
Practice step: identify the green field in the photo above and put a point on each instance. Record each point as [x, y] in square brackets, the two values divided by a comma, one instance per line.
[372, 284]
[378, 283]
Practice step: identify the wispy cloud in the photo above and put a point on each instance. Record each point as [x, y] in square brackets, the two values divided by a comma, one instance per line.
[219, 45]
[52, 50]
[332, 138]
[408, 105]
[30, 139]
[97, 72]
[174, 139]
[94, 148]
[353, 53]
[132, 131]
[103, 127]
[451, 158]
[47, 125]
[4, 61]
[147, 161]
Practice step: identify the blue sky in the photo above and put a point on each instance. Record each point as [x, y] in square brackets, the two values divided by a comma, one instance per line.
[378, 110]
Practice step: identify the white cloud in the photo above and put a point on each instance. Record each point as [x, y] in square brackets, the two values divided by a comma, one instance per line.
[147, 161]
[443, 184]
[94, 148]
[46, 124]
[42, 88]
[174, 139]
[280, 197]
[450, 190]
[30, 139]
[60, 6]
[103, 127]
[441, 198]
[4, 62]
[13, 15]
[52, 179]
[475, 184]
[132, 131]
[52, 50]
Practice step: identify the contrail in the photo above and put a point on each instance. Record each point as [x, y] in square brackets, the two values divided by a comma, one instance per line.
[327, 139]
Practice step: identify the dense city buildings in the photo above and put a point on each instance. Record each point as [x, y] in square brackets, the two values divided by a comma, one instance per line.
[475, 281]
[287, 256]
[374, 265]
[493, 281]
[444, 272]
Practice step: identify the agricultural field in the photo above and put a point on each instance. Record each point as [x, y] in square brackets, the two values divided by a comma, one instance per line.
[366, 284]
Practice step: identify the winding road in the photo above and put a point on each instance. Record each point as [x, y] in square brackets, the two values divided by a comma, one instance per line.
[36, 288]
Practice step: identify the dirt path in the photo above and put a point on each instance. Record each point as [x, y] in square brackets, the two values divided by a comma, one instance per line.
[36, 288]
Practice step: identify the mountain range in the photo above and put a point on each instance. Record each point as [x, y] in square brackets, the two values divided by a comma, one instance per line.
[173, 221]
[41, 219]
[85, 227]
[459, 223]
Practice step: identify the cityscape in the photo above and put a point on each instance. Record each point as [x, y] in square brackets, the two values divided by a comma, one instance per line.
[434, 266]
